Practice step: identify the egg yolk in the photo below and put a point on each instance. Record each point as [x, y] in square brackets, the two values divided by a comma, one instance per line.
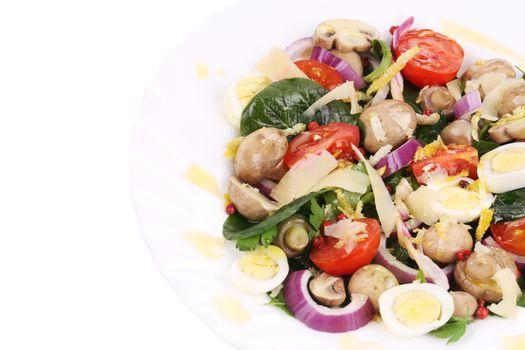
[258, 265]
[508, 160]
[457, 198]
[417, 308]
[247, 88]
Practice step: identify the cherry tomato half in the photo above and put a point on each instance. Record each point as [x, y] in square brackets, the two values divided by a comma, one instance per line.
[336, 261]
[454, 160]
[321, 73]
[510, 235]
[336, 138]
[437, 63]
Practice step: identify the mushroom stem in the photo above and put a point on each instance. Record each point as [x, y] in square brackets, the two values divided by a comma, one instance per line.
[296, 237]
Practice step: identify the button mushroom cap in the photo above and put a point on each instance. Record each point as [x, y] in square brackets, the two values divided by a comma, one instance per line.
[292, 235]
[437, 99]
[328, 290]
[249, 202]
[514, 130]
[442, 246]
[475, 275]
[351, 58]
[389, 122]
[494, 65]
[458, 132]
[465, 305]
[512, 98]
[372, 280]
[260, 156]
[345, 35]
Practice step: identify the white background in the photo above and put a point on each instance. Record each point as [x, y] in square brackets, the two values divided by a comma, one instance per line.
[74, 270]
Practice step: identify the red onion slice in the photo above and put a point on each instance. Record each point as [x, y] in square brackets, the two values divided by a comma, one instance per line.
[298, 49]
[402, 29]
[467, 105]
[355, 315]
[399, 158]
[265, 186]
[403, 273]
[520, 260]
[346, 71]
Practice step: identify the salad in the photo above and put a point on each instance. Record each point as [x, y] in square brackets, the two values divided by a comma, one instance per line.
[379, 178]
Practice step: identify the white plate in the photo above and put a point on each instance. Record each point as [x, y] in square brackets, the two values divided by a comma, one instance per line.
[181, 123]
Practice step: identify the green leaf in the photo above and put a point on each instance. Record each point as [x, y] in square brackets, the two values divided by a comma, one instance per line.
[522, 72]
[421, 276]
[382, 51]
[317, 217]
[360, 166]
[400, 253]
[283, 103]
[268, 236]
[484, 146]
[250, 243]
[278, 301]
[509, 206]
[237, 227]
[521, 300]
[394, 179]
[453, 330]
[429, 133]
[411, 94]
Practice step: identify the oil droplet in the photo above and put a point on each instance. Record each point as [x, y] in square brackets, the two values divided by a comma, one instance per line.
[203, 72]
[206, 245]
[231, 308]
[459, 31]
[203, 179]
[351, 342]
[516, 342]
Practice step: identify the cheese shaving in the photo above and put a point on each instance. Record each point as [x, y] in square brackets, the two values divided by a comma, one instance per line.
[517, 114]
[377, 128]
[343, 91]
[454, 87]
[507, 307]
[276, 65]
[472, 85]
[391, 71]
[381, 153]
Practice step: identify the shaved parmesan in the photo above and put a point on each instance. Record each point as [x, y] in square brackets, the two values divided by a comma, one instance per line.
[381, 153]
[276, 65]
[472, 85]
[490, 80]
[341, 92]
[346, 178]
[304, 175]
[348, 231]
[510, 289]
[386, 210]
[454, 87]
[377, 127]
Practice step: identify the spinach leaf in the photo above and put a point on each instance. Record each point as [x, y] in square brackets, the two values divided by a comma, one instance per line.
[521, 300]
[454, 329]
[394, 179]
[509, 206]
[282, 104]
[484, 146]
[411, 94]
[382, 51]
[399, 252]
[429, 133]
[250, 243]
[237, 227]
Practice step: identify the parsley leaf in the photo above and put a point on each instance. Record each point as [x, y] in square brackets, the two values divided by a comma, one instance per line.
[318, 215]
[268, 236]
[249, 243]
[278, 301]
[453, 330]
[421, 276]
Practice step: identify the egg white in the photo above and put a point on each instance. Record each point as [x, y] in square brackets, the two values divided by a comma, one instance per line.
[501, 181]
[396, 327]
[251, 285]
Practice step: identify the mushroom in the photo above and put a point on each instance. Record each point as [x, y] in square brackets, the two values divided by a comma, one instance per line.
[423, 119]
[389, 122]
[511, 131]
[437, 99]
[352, 58]
[442, 246]
[475, 275]
[345, 35]
[328, 290]
[512, 97]
[372, 280]
[260, 156]
[458, 132]
[249, 202]
[495, 65]
[465, 305]
[292, 235]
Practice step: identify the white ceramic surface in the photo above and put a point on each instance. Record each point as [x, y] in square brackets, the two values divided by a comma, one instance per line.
[181, 122]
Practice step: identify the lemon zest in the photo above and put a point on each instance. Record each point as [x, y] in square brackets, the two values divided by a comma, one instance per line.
[429, 150]
[484, 222]
[391, 71]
